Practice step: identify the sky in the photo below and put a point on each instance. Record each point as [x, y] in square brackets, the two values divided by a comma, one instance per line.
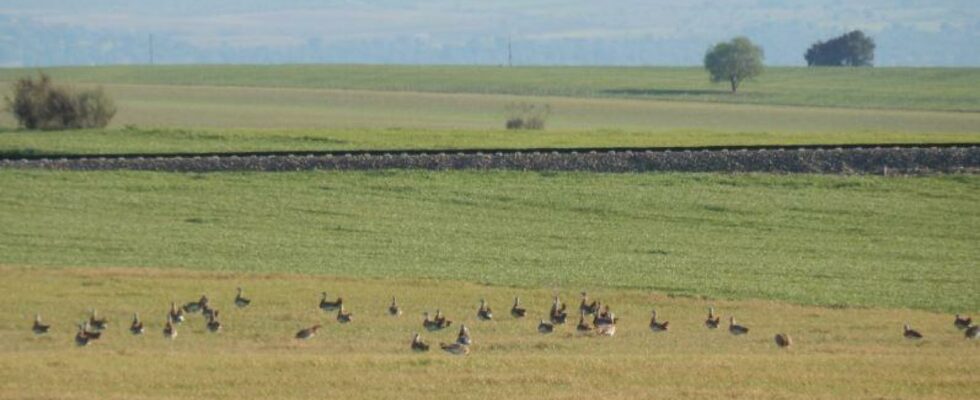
[552, 32]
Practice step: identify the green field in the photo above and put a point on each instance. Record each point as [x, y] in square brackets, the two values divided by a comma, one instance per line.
[951, 89]
[817, 240]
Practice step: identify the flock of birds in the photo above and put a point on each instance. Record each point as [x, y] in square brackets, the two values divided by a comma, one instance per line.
[595, 318]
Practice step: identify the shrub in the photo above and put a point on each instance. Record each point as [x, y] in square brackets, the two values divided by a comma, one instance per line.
[527, 116]
[40, 104]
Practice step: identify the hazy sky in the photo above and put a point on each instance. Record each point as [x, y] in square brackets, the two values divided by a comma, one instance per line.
[457, 31]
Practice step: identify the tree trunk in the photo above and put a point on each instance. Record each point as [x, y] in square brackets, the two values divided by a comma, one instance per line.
[734, 80]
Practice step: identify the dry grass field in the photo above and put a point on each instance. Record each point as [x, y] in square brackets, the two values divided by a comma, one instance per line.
[838, 353]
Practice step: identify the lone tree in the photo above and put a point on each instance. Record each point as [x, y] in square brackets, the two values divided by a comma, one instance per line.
[852, 49]
[734, 61]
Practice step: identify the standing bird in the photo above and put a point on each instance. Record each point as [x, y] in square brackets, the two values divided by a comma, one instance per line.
[176, 314]
[307, 333]
[517, 311]
[89, 333]
[712, 322]
[418, 345]
[39, 328]
[97, 323]
[197, 306]
[735, 328]
[910, 333]
[608, 326]
[442, 320]
[463, 337]
[972, 332]
[484, 313]
[169, 330]
[213, 324]
[81, 339]
[344, 317]
[657, 326]
[208, 312]
[557, 313]
[546, 327]
[240, 300]
[586, 307]
[136, 327]
[393, 309]
[455, 349]
[583, 326]
[962, 322]
[783, 340]
[330, 305]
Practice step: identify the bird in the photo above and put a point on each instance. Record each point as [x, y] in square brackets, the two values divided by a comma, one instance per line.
[910, 333]
[783, 340]
[608, 326]
[344, 316]
[418, 345]
[604, 317]
[583, 326]
[546, 327]
[170, 330]
[586, 307]
[430, 324]
[962, 322]
[207, 312]
[307, 333]
[464, 336]
[88, 331]
[712, 322]
[393, 309]
[197, 306]
[557, 313]
[176, 314]
[657, 326]
[517, 311]
[972, 332]
[81, 339]
[735, 328]
[39, 328]
[441, 320]
[330, 305]
[484, 313]
[455, 348]
[136, 327]
[97, 323]
[213, 324]
[240, 300]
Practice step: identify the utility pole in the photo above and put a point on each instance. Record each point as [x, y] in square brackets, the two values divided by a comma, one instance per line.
[151, 49]
[510, 52]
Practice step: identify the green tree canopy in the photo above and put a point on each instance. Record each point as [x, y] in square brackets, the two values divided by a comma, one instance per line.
[734, 61]
[850, 49]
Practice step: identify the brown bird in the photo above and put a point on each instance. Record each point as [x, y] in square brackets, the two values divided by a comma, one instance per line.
[330, 305]
[169, 330]
[418, 345]
[240, 300]
[81, 339]
[557, 314]
[344, 316]
[455, 348]
[90, 333]
[39, 328]
[176, 314]
[197, 306]
[97, 323]
[464, 336]
[712, 322]
[608, 326]
[307, 333]
[962, 322]
[911, 334]
[442, 320]
[586, 307]
[972, 332]
[213, 324]
[136, 327]
[430, 324]
[484, 313]
[783, 340]
[207, 312]
[603, 317]
[517, 311]
[735, 328]
[546, 327]
[583, 326]
[657, 326]
[393, 309]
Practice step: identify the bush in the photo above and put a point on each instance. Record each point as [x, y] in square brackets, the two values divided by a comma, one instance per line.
[527, 116]
[39, 104]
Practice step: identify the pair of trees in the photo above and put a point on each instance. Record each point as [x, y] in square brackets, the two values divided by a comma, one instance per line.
[739, 59]
[40, 104]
